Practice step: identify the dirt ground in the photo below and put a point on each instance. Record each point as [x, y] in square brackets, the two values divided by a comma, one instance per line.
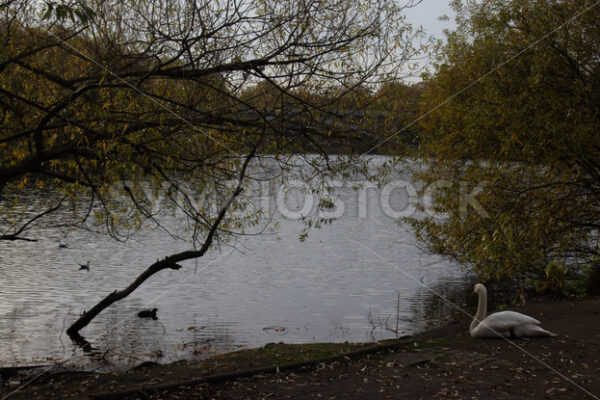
[444, 363]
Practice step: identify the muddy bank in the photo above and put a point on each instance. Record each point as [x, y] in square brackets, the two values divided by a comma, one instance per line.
[441, 363]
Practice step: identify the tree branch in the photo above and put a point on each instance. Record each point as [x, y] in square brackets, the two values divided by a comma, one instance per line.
[170, 262]
[15, 236]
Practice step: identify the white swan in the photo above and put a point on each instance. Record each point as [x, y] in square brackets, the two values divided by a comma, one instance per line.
[505, 323]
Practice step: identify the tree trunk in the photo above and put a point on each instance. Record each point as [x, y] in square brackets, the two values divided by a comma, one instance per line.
[170, 262]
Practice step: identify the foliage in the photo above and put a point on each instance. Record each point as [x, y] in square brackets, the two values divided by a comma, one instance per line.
[76, 12]
[115, 105]
[145, 107]
[512, 139]
[399, 104]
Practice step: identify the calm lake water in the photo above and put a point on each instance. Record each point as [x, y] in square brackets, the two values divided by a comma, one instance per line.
[336, 286]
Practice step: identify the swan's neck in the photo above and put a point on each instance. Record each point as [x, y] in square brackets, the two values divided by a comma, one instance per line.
[481, 310]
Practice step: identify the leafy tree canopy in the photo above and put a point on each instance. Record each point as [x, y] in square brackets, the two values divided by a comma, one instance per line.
[511, 149]
[107, 106]
[170, 96]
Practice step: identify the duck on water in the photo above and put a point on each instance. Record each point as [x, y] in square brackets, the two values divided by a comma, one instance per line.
[148, 313]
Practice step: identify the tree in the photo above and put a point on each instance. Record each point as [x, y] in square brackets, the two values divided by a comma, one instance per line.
[399, 105]
[140, 100]
[516, 133]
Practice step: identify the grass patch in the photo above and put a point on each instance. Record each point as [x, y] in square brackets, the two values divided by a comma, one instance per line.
[277, 354]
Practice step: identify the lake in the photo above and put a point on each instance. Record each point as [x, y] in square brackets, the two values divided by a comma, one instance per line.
[336, 286]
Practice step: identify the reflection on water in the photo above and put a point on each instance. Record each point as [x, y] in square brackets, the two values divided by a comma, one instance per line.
[453, 298]
[271, 288]
[445, 301]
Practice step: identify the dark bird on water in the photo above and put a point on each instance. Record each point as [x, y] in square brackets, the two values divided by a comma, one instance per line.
[148, 313]
[85, 266]
[62, 245]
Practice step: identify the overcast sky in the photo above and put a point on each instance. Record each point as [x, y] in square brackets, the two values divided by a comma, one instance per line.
[426, 14]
